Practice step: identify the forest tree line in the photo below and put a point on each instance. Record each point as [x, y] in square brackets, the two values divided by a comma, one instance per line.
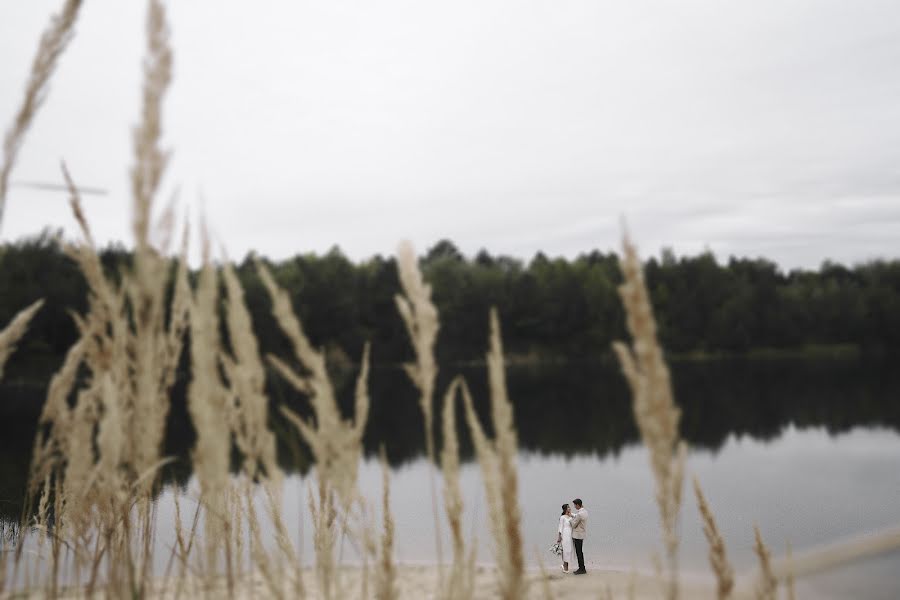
[550, 307]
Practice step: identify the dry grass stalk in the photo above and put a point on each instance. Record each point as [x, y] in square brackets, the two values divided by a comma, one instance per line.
[126, 399]
[53, 43]
[386, 576]
[178, 546]
[54, 428]
[150, 159]
[113, 498]
[258, 553]
[110, 441]
[460, 584]
[336, 443]
[124, 335]
[83, 446]
[766, 584]
[246, 377]
[420, 317]
[497, 459]
[207, 405]
[130, 350]
[79, 476]
[789, 577]
[832, 555]
[14, 332]
[104, 303]
[56, 411]
[184, 545]
[655, 410]
[154, 357]
[718, 558]
[324, 516]
[283, 540]
[104, 451]
[131, 354]
[236, 530]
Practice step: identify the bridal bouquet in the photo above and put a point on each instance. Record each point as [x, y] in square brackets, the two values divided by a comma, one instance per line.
[556, 549]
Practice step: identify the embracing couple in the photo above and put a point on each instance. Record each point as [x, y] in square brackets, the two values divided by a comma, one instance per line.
[572, 531]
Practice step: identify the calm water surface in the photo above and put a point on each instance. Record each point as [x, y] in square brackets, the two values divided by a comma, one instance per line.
[808, 450]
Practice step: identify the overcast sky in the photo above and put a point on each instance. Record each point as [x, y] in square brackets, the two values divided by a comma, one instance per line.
[766, 128]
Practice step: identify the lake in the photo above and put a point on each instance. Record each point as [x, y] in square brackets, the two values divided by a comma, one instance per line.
[809, 450]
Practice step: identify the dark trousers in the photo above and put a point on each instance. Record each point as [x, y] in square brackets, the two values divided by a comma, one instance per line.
[579, 553]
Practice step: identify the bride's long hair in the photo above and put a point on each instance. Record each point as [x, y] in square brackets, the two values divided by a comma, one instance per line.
[565, 507]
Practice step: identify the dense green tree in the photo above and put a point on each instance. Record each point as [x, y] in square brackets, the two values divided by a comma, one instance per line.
[551, 307]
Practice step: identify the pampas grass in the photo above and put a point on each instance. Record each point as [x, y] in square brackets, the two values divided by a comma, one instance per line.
[207, 406]
[420, 317]
[386, 576]
[154, 357]
[150, 159]
[53, 43]
[103, 453]
[247, 378]
[767, 583]
[98, 448]
[835, 554]
[14, 332]
[462, 569]
[497, 459]
[336, 443]
[718, 558]
[655, 410]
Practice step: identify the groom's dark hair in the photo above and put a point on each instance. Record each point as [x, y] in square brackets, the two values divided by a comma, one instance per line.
[577, 502]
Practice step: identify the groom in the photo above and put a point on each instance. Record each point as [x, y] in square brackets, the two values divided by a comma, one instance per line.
[579, 531]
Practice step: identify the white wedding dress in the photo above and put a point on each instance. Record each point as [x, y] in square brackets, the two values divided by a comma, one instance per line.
[565, 530]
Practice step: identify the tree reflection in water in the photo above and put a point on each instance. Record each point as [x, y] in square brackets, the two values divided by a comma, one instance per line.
[566, 409]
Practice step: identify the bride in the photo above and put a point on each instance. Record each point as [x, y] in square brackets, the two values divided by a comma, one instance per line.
[564, 536]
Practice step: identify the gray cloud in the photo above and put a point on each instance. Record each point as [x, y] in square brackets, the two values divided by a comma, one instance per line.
[763, 128]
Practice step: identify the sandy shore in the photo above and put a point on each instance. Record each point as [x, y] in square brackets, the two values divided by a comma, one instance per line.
[422, 581]
[597, 583]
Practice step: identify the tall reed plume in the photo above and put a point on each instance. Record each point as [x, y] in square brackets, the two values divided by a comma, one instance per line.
[789, 579]
[655, 410]
[104, 452]
[386, 587]
[208, 408]
[53, 43]
[767, 583]
[497, 459]
[249, 407]
[420, 317]
[14, 331]
[247, 377]
[54, 40]
[718, 558]
[461, 582]
[155, 347]
[336, 443]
